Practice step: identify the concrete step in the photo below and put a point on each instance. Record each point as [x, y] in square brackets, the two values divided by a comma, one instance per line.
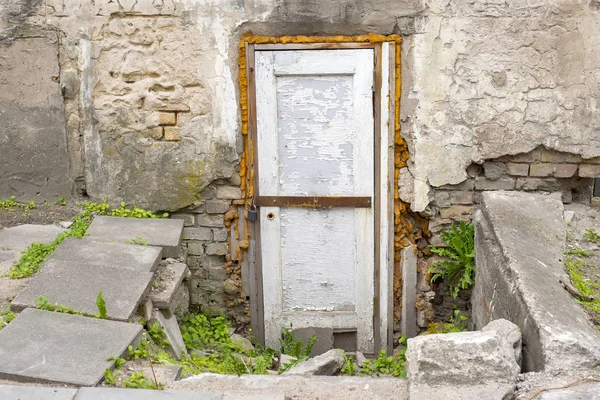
[117, 255]
[35, 393]
[168, 291]
[49, 347]
[161, 232]
[76, 285]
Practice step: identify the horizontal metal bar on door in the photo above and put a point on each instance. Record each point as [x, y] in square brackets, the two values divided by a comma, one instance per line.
[313, 201]
[312, 46]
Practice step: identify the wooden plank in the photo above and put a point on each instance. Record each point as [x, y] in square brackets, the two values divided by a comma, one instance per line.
[312, 46]
[388, 163]
[314, 201]
[314, 62]
[377, 173]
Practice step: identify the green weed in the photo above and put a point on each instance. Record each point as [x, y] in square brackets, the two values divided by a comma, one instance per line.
[579, 252]
[138, 380]
[295, 348]
[101, 304]
[139, 241]
[6, 316]
[458, 323]
[458, 271]
[349, 368]
[592, 236]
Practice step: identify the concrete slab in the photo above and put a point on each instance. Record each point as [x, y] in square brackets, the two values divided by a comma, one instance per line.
[167, 320]
[299, 387]
[519, 244]
[76, 285]
[585, 391]
[117, 255]
[35, 393]
[408, 323]
[88, 393]
[44, 346]
[171, 278]
[161, 232]
[19, 237]
[491, 390]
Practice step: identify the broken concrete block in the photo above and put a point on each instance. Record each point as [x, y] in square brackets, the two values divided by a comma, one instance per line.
[76, 285]
[329, 363]
[44, 346]
[167, 282]
[285, 359]
[519, 244]
[460, 359]
[510, 332]
[165, 374]
[408, 322]
[168, 322]
[117, 255]
[245, 344]
[35, 393]
[161, 232]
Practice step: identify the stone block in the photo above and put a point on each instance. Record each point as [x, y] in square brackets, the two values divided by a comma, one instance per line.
[76, 285]
[157, 132]
[168, 322]
[324, 338]
[116, 255]
[195, 248]
[460, 197]
[442, 199]
[493, 170]
[556, 170]
[589, 171]
[519, 243]
[218, 274]
[217, 249]
[167, 118]
[510, 332]
[211, 221]
[456, 212]
[188, 219]
[168, 279]
[468, 184]
[172, 134]
[35, 393]
[110, 393]
[329, 363]
[229, 192]
[44, 346]
[220, 235]
[532, 156]
[408, 322]
[565, 170]
[161, 232]
[543, 184]
[197, 234]
[515, 169]
[217, 206]
[551, 156]
[504, 183]
[460, 359]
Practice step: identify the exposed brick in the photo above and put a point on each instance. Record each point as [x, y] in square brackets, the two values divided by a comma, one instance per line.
[214, 261]
[212, 221]
[532, 156]
[589, 171]
[469, 184]
[442, 199]
[551, 156]
[456, 212]
[541, 170]
[545, 184]
[565, 170]
[157, 132]
[219, 249]
[172, 134]
[595, 160]
[195, 248]
[504, 183]
[167, 118]
[196, 234]
[493, 170]
[194, 262]
[220, 235]
[438, 224]
[515, 169]
[217, 206]
[461, 197]
[229, 192]
[188, 219]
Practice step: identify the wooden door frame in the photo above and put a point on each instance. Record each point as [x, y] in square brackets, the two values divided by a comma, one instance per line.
[384, 114]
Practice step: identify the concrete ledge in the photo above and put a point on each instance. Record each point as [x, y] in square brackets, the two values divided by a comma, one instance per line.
[519, 241]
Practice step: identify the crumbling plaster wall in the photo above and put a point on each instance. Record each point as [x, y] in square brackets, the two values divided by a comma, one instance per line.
[486, 78]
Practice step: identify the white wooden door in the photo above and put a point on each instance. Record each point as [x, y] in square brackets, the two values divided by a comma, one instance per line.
[315, 131]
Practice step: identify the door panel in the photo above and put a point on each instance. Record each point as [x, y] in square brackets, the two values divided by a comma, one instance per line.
[315, 133]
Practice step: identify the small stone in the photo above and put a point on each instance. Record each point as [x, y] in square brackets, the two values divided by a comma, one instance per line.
[243, 343]
[360, 358]
[211, 221]
[172, 134]
[217, 206]
[329, 363]
[195, 248]
[493, 170]
[157, 133]
[197, 234]
[229, 287]
[229, 192]
[456, 212]
[217, 249]
[65, 224]
[442, 199]
[167, 118]
[504, 183]
[541, 170]
[569, 216]
[474, 170]
[460, 197]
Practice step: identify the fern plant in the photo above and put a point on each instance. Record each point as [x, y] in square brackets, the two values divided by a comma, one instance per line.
[458, 270]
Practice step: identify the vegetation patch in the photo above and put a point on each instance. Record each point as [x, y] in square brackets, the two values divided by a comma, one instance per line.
[458, 323]
[458, 268]
[381, 365]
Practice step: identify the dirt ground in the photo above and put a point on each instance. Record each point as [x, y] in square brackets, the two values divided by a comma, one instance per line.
[582, 255]
[42, 214]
